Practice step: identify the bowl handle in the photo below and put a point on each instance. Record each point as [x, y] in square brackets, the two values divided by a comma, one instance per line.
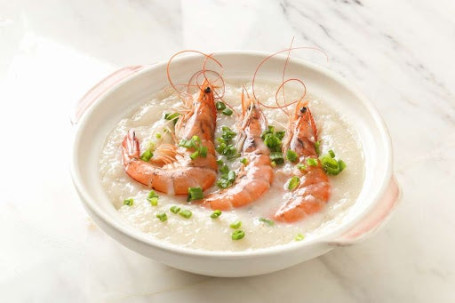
[375, 219]
[100, 88]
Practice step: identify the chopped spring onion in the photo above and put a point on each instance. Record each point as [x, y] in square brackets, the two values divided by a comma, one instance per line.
[147, 155]
[162, 217]
[280, 134]
[175, 209]
[228, 134]
[153, 198]
[158, 135]
[128, 202]
[317, 147]
[277, 157]
[153, 201]
[227, 177]
[330, 165]
[195, 142]
[186, 213]
[236, 224]
[291, 155]
[293, 183]
[174, 117]
[220, 162]
[216, 214]
[227, 111]
[244, 161]
[301, 166]
[238, 235]
[299, 237]
[227, 150]
[194, 155]
[220, 105]
[203, 151]
[267, 221]
[272, 142]
[195, 193]
[312, 162]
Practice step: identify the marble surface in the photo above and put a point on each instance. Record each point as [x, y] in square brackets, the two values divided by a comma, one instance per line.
[399, 53]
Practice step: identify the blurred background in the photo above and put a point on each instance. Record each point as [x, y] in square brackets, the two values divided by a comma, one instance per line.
[400, 54]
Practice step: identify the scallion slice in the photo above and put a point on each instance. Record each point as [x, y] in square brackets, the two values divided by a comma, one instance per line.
[129, 202]
[267, 221]
[220, 105]
[175, 209]
[238, 235]
[162, 217]
[216, 214]
[293, 183]
[227, 111]
[186, 213]
[195, 193]
[147, 155]
[312, 162]
[291, 155]
[299, 237]
[236, 225]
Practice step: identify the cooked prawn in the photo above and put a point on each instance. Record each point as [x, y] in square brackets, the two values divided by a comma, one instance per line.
[174, 171]
[313, 191]
[256, 176]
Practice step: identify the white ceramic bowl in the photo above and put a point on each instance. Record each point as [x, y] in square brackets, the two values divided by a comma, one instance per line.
[103, 106]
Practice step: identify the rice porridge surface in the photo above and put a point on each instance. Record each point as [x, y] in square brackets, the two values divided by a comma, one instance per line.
[201, 231]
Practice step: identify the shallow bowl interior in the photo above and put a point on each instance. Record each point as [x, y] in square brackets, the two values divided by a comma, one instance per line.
[99, 120]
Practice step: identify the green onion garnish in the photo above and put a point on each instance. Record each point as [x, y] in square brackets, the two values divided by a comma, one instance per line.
[330, 165]
[153, 201]
[236, 224]
[162, 217]
[194, 155]
[312, 162]
[244, 161]
[267, 221]
[228, 134]
[280, 134]
[301, 166]
[175, 209]
[173, 117]
[220, 105]
[227, 111]
[215, 214]
[158, 135]
[272, 142]
[186, 213]
[293, 183]
[317, 146]
[299, 237]
[147, 155]
[277, 157]
[128, 202]
[195, 193]
[220, 162]
[203, 151]
[153, 198]
[238, 234]
[291, 155]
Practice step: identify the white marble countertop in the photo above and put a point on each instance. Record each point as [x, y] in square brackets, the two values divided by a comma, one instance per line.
[399, 53]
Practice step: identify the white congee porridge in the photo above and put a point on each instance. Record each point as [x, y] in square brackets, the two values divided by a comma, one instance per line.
[189, 224]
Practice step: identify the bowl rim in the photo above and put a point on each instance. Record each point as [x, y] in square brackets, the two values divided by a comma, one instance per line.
[137, 235]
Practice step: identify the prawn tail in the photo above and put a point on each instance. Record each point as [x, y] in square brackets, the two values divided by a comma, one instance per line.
[130, 147]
